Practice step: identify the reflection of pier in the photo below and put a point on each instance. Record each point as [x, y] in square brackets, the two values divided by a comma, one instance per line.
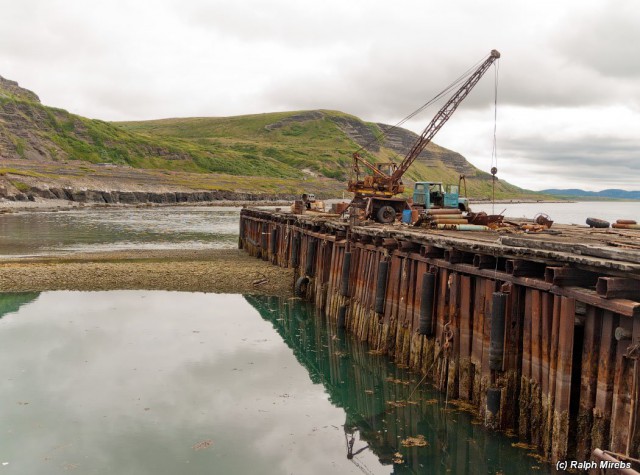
[363, 385]
[538, 333]
[344, 370]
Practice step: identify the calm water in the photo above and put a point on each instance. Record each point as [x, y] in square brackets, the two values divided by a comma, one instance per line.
[567, 213]
[100, 229]
[97, 229]
[140, 382]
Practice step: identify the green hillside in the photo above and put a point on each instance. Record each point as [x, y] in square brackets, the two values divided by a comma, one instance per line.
[308, 148]
[321, 142]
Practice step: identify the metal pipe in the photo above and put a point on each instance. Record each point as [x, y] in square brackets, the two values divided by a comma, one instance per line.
[264, 236]
[444, 211]
[456, 221]
[381, 287]
[274, 239]
[496, 348]
[346, 269]
[426, 304]
[599, 454]
[493, 400]
[625, 226]
[311, 257]
[295, 251]
[438, 217]
[463, 227]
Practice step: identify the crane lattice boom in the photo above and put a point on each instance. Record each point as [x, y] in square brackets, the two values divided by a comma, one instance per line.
[386, 184]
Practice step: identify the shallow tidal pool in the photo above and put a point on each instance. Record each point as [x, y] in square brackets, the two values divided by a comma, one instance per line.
[153, 382]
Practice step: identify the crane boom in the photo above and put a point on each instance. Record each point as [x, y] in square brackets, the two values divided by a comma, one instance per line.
[443, 116]
[388, 184]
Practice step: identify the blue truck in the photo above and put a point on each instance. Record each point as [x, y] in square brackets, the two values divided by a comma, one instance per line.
[429, 194]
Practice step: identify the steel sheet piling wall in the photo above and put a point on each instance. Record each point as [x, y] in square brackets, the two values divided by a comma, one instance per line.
[559, 371]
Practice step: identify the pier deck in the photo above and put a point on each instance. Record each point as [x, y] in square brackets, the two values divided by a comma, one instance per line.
[540, 333]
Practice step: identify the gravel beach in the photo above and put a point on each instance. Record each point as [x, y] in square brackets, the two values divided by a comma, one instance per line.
[210, 270]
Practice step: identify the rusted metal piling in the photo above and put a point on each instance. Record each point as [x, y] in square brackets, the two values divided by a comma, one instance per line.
[540, 334]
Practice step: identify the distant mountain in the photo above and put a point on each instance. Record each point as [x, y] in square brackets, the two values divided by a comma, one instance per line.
[610, 193]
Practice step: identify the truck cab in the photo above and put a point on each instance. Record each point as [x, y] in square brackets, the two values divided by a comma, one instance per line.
[436, 195]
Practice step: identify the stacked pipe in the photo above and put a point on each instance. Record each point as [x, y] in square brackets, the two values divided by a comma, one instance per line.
[626, 224]
[446, 216]
[451, 219]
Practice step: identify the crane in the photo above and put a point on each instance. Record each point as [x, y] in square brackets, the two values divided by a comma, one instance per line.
[375, 192]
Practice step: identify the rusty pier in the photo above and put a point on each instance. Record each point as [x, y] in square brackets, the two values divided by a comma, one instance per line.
[540, 334]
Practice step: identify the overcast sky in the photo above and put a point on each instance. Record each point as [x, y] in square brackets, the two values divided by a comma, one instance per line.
[569, 76]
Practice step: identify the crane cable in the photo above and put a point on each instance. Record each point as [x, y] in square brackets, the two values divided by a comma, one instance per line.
[494, 151]
[378, 138]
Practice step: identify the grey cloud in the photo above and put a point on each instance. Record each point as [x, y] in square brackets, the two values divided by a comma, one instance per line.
[604, 39]
[296, 25]
[386, 83]
[382, 82]
[608, 162]
[583, 151]
[124, 60]
[38, 32]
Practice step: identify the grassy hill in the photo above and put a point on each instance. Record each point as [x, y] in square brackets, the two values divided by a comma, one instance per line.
[320, 143]
[306, 150]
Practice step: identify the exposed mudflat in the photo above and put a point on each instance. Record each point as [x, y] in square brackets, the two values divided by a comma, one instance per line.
[220, 271]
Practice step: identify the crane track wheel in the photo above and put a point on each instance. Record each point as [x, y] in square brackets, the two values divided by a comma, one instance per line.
[386, 214]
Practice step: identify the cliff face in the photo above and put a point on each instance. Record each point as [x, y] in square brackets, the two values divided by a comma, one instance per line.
[10, 88]
[360, 132]
[401, 140]
[32, 131]
[21, 119]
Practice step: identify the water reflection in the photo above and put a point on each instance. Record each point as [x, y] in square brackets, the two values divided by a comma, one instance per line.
[378, 417]
[12, 302]
[137, 382]
[101, 229]
[151, 382]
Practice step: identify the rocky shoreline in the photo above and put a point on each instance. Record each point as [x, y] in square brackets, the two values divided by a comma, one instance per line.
[136, 197]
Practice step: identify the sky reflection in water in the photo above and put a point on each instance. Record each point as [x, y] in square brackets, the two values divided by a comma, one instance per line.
[139, 382]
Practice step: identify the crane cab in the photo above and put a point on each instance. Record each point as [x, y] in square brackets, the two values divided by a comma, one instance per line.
[429, 195]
